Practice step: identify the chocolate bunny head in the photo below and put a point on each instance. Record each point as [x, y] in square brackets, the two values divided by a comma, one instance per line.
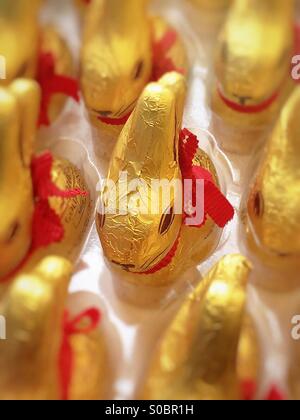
[19, 108]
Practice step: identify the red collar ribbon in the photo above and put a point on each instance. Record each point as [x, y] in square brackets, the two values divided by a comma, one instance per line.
[254, 109]
[248, 391]
[52, 84]
[249, 109]
[47, 227]
[216, 204]
[77, 325]
[115, 121]
[161, 64]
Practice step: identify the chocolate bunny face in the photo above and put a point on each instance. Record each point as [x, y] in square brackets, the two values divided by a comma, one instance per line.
[19, 37]
[248, 73]
[273, 204]
[116, 56]
[19, 107]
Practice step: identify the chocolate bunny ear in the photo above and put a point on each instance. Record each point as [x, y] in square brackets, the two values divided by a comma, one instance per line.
[28, 96]
[151, 129]
[274, 203]
[10, 155]
[199, 356]
[33, 308]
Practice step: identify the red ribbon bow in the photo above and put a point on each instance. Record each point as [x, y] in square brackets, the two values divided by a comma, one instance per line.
[47, 227]
[52, 83]
[162, 64]
[215, 203]
[248, 390]
[66, 358]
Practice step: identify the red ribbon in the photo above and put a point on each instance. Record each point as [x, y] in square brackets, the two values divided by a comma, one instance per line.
[66, 357]
[249, 109]
[115, 121]
[52, 83]
[254, 109]
[166, 260]
[248, 391]
[47, 227]
[297, 38]
[216, 204]
[162, 64]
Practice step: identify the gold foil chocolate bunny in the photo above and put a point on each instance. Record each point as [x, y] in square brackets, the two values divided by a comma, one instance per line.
[210, 350]
[273, 227]
[44, 206]
[38, 53]
[46, 356]
[253, 61]
[142, 228]
[123, 49]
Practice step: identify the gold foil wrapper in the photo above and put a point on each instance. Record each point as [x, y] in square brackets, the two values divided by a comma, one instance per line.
[210, 347]
[247, 73]
[29, 360]
[33, 308]
[19, 107]
[273, 203]
[147, 150]
[21, 40]
[116, 57]
[211, 6]
[19, 37]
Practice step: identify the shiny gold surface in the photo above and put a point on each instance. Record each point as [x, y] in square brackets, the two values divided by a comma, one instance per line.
[211, 5]
[147, 150]
[33, 308]
[205, 354]
[253, 56]
[116, 58]
[273, 205]
[19, 37]
[19, 107]
[89, 380]
[22, 39]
